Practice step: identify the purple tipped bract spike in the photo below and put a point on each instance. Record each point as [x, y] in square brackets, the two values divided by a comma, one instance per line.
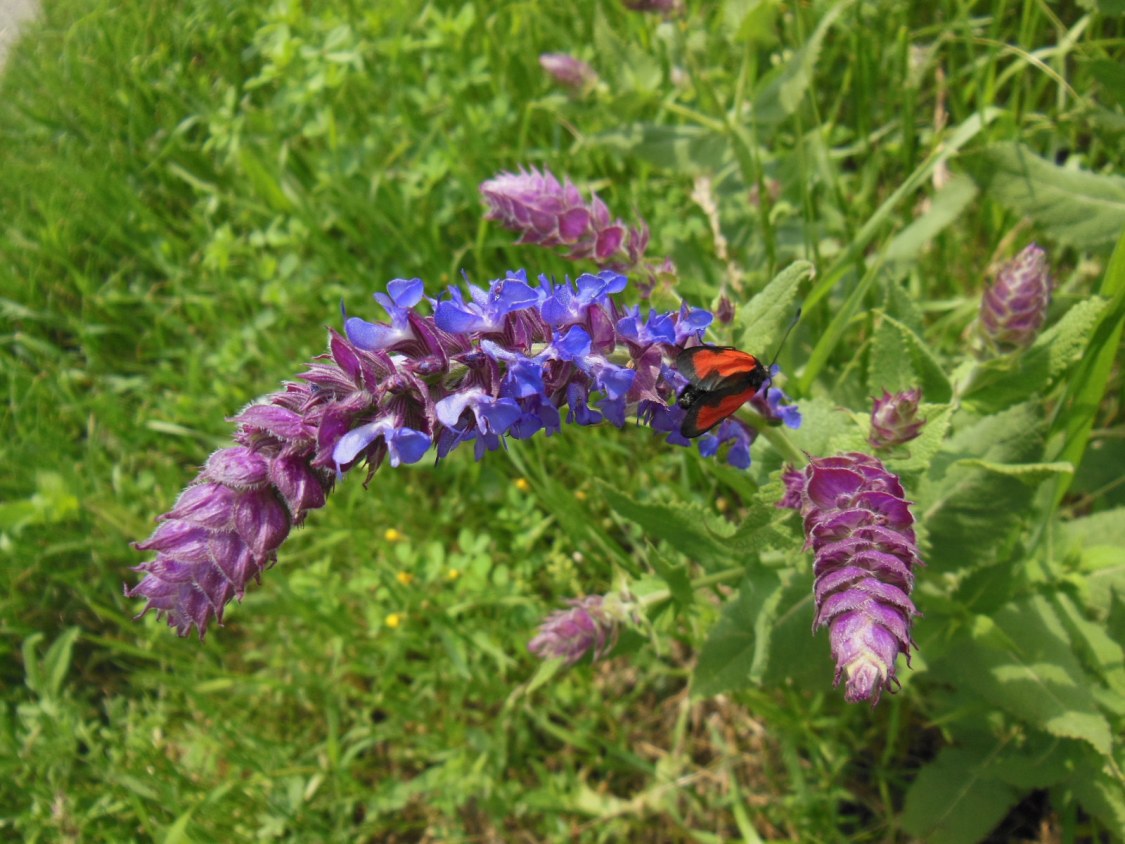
[858, 523]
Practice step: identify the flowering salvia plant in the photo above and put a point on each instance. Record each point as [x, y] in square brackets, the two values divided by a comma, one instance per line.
[504, 362]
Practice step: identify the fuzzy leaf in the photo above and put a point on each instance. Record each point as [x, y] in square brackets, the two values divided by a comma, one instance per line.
[1076, 207]
[1100, 794]
[932, 377]
[1022, 661]
[736, 653]
[782, 91]
[763, 322]
[687, 529]
[952, 799]
[822, 422]
[958, 504]
[1030, 473]
[888, 368]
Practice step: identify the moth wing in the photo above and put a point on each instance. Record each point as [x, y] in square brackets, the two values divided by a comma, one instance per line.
[709, 409]
[708, 367]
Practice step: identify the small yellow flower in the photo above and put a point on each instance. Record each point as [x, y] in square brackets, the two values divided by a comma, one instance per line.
[722, 505]
[580, 495]
[405, 578]
[393, 620]
[392, 535]
[454, 574]
[522, 485]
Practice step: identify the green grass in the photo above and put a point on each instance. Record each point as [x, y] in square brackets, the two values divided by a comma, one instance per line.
[188, 191]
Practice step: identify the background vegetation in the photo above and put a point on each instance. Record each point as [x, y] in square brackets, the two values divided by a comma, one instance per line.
[188, 191]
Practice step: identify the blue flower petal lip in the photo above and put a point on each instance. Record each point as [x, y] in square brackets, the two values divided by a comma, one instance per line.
[450, 408]
[406, 292]
[355, 441]
[407, 446]
[456, 318]
[574, 344]
[515, 295]
[500, 414]
[616, 380]
[369, 335]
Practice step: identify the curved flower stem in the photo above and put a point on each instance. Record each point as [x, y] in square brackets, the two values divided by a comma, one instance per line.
[777, 437]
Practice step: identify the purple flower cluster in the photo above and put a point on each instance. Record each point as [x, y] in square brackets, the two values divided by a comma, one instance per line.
[501, 362]
[858, 523]
[551, 213]
[1014, 308]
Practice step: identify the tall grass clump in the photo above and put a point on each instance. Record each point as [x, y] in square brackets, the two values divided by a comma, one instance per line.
[451, 589]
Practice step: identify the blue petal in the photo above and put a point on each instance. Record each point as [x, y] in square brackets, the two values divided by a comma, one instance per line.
[615, 380]
[661, 328]
[574, 344]
[450, 408]
[355, 441]
[512, 295]
[406, 293]
[499, 414]
[456, 318]
[406, 445]
[372, 336]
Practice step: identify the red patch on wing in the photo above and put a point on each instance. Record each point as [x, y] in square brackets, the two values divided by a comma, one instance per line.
[711, 409]
[714, 363]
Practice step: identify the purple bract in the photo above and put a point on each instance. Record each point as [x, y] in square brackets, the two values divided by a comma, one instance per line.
[858, 523]
[894, 419]
[1014, 308]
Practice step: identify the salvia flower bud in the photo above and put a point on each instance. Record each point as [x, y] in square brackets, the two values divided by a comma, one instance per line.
[858, 523]
[1013, 309]
[481, 367]
[550, 213]
[591, 625]
[894, 419]
[567, 70]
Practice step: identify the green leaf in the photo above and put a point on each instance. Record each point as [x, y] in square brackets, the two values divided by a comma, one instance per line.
[1030, 473]
[822, 422]
[932, 377]
[968, 512]
[751, 20]
[1022, 661]
[1074, 419]
[691, 530]
[1076, 207]
[946, 206]
[763, 322]
[888, 368]
[953, 800]
[1002, 382]
[684, 149]
[1097, 649]
[1100, 794]
[736, 653]
[781, 91]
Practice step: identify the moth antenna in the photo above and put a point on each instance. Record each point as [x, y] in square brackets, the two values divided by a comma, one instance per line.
[769, 370]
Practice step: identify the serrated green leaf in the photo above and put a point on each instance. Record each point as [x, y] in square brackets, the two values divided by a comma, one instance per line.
[56, 662]
[931, 373]
[1075, 207]
[1023, 663]
[781, 91]
[952, 799]
[1030, 473]
[1028, 767]
[683, 149]
[1105, 528]
[946, 206]
[1002, 382]
[675, 576]
[764, 320]
[888, 368]
[1100, 794]
[751, 20]
[1074, 418]
[689, 529]
[1100, 653]
[736, 653]
[969, 513]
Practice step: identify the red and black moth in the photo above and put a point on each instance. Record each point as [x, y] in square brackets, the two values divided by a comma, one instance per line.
[721, 380]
